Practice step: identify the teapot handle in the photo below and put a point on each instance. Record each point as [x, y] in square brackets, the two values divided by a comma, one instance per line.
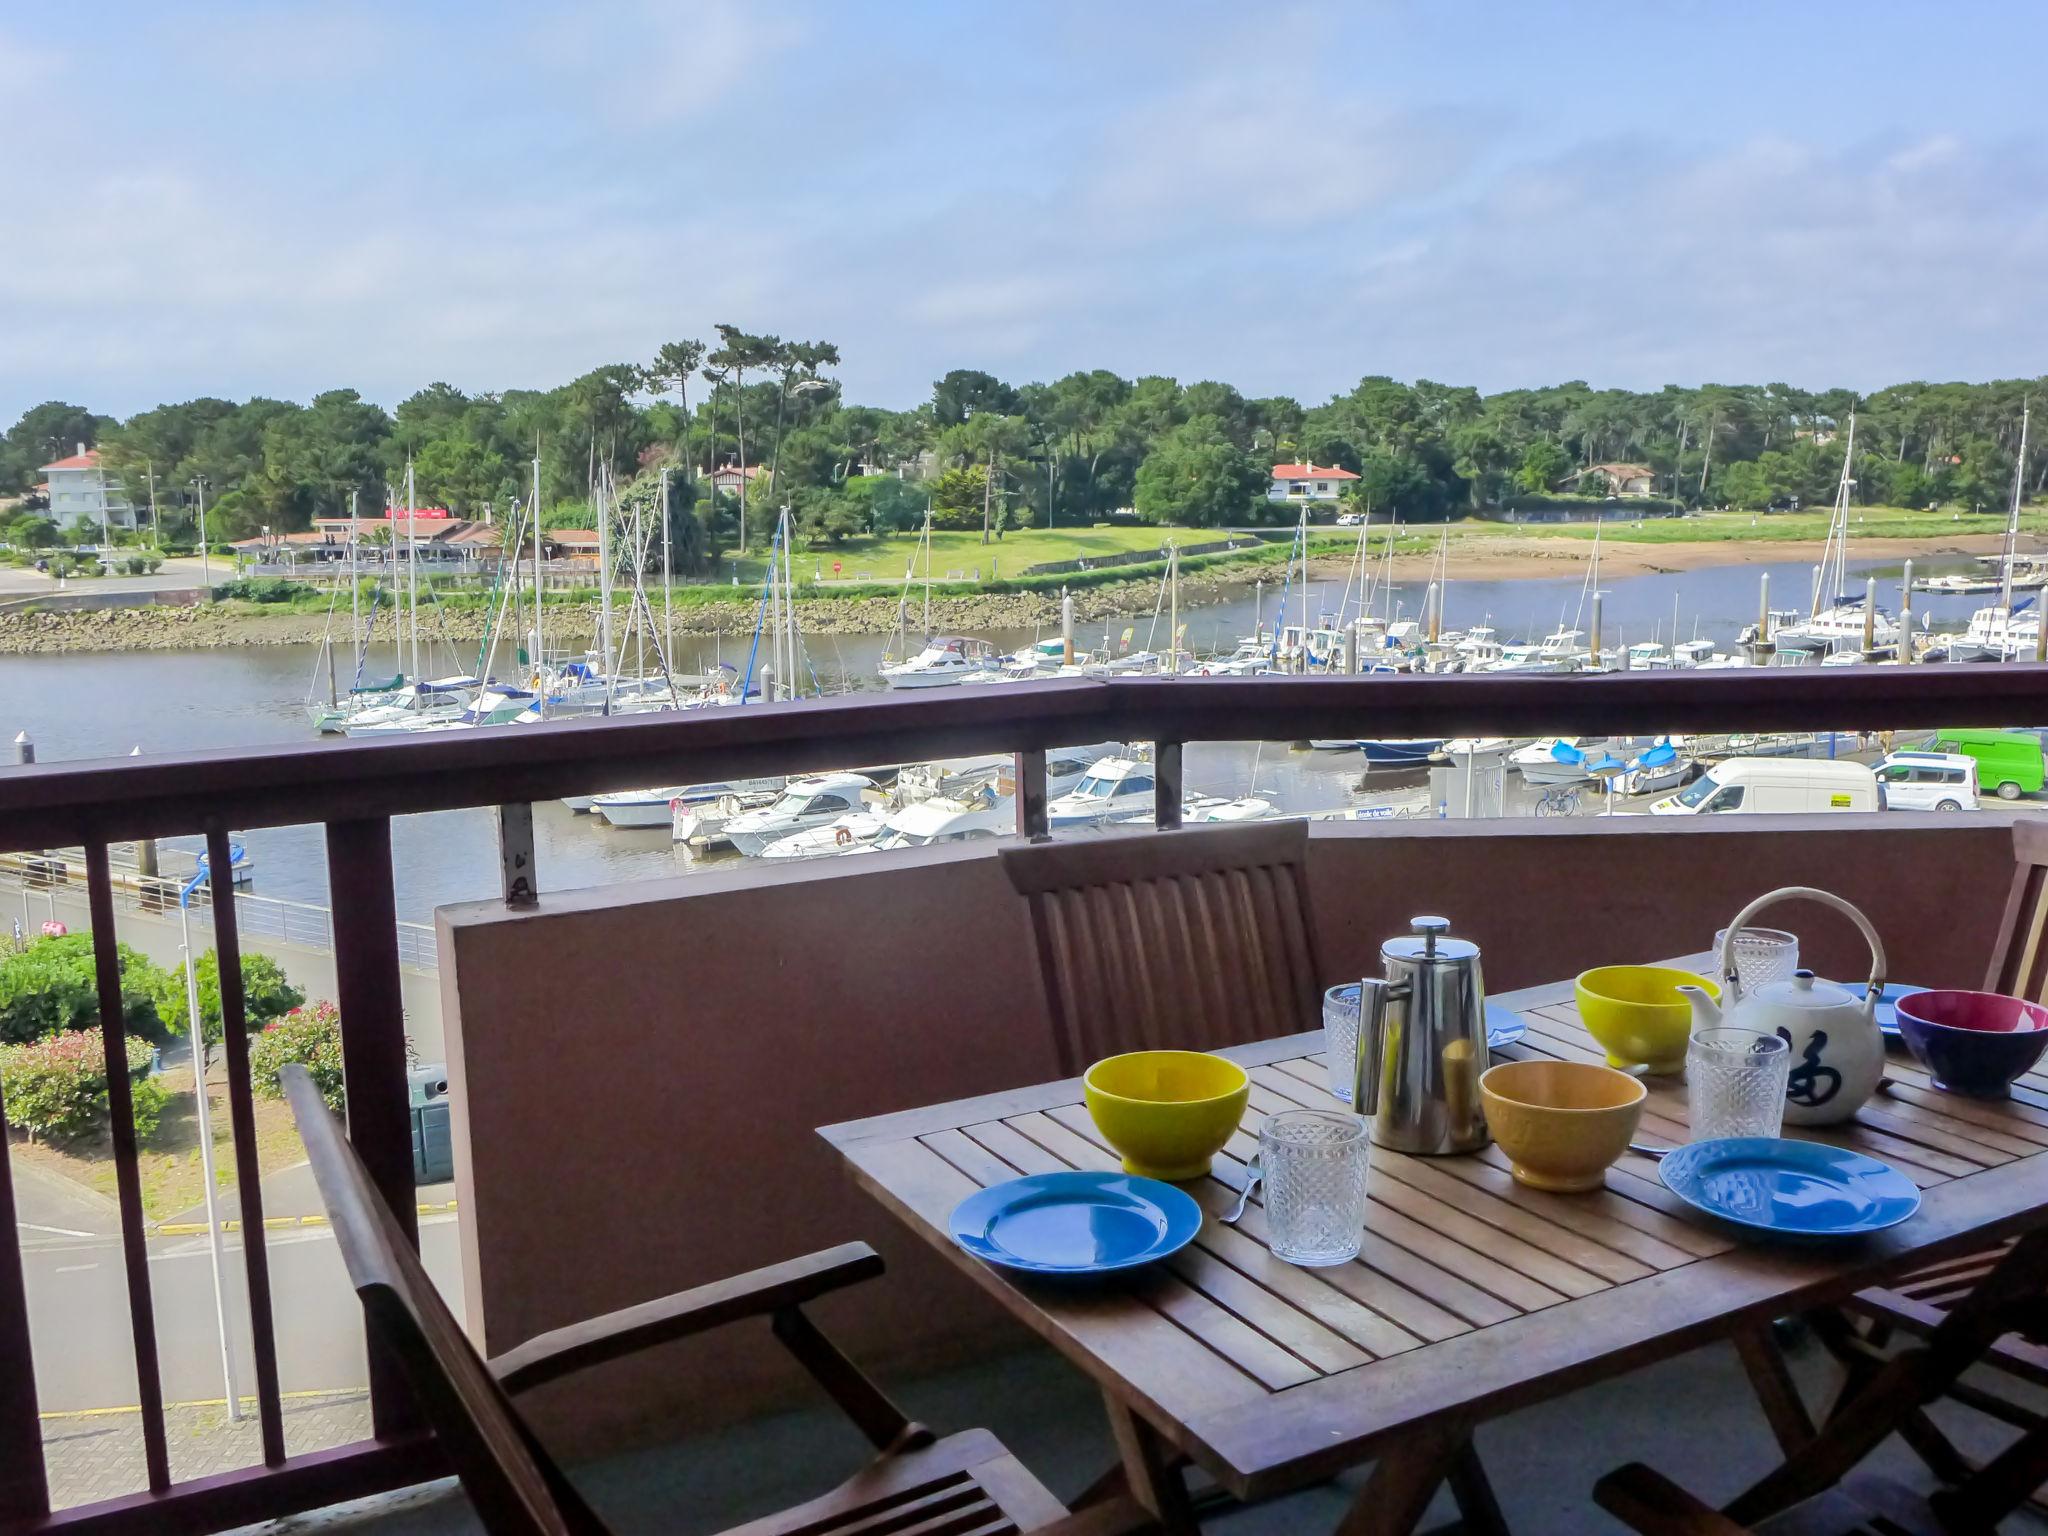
[1825, 898]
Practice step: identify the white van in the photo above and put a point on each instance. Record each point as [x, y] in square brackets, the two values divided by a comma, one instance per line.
[1766, 784]
[1929, 781]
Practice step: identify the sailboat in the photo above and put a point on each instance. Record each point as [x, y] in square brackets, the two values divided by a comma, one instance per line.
[2004, 631]
[1843, 622]
[329, 715]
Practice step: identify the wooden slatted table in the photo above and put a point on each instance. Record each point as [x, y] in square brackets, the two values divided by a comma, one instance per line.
[1472, 1296]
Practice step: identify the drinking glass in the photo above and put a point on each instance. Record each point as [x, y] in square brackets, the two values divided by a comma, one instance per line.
[1735, 1082]
[1761, 955]
[1340, 1032]
[1314, 1164]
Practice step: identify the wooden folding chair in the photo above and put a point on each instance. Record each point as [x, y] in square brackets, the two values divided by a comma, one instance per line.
[1812, 1495]
[963, 1485]
[1917, 1303]
[1183, 940]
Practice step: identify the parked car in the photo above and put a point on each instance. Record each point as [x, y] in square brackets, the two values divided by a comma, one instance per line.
[2008, 761]
[1929, 781]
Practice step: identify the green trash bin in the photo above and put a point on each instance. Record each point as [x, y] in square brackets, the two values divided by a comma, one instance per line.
[433, 1153]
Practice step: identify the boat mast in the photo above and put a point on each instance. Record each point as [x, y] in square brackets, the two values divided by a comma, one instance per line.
[668, 616]
[412, 560]
[1833, 566]
[604, 574]
[533, 520]
[2012, 518]
[927, 571]
[355, 593]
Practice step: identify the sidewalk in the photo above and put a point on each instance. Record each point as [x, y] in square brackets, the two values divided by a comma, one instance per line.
[98, 1455]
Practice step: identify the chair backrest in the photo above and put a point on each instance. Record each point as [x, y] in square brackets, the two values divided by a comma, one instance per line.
[513, 1484]
[2019, 960]
[1186, 940]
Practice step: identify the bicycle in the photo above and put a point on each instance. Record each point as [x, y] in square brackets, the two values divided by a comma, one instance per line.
[1561, 801]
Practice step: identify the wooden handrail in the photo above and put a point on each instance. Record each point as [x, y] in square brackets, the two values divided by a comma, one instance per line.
[312, 781]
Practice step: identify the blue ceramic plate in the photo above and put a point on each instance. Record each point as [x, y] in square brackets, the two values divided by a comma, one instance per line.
[1075, 1223]
[1802, 1189]
[1503, 1026]
[1887, 1010]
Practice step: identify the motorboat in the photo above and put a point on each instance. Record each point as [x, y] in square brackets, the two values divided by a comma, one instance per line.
[1688, 654]
[496, 705]
[657, 807]
[807, 802]
[942, 820]
[1649, 656]
[944, 661]
[1112, 787]
[702, 823]
[426, 702]
[843, 834]
[1556, 760]
[1838, 627]
[1555, 654]
[960, 778]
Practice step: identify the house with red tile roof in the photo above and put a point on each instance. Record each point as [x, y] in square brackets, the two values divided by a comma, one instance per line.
[1311, 482]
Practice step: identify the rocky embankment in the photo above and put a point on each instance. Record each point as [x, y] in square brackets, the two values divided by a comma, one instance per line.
[168, 628]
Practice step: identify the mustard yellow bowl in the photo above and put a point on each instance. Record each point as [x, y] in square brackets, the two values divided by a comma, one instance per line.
[1167, 1112]
[1561, 1123]
[1635, 1012]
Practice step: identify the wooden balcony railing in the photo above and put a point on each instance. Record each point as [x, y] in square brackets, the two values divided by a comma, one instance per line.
[354, 788]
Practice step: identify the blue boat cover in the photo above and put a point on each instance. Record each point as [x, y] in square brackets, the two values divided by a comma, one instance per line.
[1564, 752]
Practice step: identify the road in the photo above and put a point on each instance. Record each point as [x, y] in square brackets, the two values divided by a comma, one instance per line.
[78, 1302]
[178, 574]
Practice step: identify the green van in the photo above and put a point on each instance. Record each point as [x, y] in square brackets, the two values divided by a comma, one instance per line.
[2007, 761]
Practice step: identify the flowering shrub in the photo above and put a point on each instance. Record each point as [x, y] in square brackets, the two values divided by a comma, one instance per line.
[57, 1088]
[309, 1035]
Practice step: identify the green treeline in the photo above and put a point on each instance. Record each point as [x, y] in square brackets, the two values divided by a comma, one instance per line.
[989, 455]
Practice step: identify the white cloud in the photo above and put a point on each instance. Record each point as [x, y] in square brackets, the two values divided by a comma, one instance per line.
[654, 62]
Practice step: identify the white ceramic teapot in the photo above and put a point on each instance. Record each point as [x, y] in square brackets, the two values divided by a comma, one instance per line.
[1837, 1048]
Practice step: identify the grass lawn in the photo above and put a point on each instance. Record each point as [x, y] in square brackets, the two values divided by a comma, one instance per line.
[172, 1180]
[959, 555]
[1812, 523]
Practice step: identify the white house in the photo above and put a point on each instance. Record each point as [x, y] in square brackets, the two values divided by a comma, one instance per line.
[1307, 482]
[81, 493]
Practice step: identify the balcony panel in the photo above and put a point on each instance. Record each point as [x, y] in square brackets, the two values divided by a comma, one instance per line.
[638, 1070]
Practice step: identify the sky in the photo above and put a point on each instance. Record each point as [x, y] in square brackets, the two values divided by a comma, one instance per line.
[227, 199]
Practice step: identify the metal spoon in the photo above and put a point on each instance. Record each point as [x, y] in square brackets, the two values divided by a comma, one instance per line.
[1650, 1151]
[1244, 1197]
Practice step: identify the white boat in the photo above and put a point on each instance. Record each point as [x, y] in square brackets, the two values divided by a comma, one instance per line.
[424, 703]
[1688, 654]
[808, 802]
[1649, 656]
[1113, 787]
[843, 834]
[944, 661]
[1531, 659]
[961, 778]
[1556, 760]
[2000, 632]
[657, 807]
[942, 820]
[1838, 626]
[1659, 769]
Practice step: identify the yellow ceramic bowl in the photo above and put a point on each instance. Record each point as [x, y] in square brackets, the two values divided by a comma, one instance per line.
[1167, 1112]
[1561, 1123]
[1636, 1013]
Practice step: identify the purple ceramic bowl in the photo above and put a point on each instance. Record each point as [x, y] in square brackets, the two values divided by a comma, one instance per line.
[1975, 1043]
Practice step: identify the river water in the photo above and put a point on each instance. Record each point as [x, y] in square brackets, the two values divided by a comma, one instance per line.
[89, 705]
